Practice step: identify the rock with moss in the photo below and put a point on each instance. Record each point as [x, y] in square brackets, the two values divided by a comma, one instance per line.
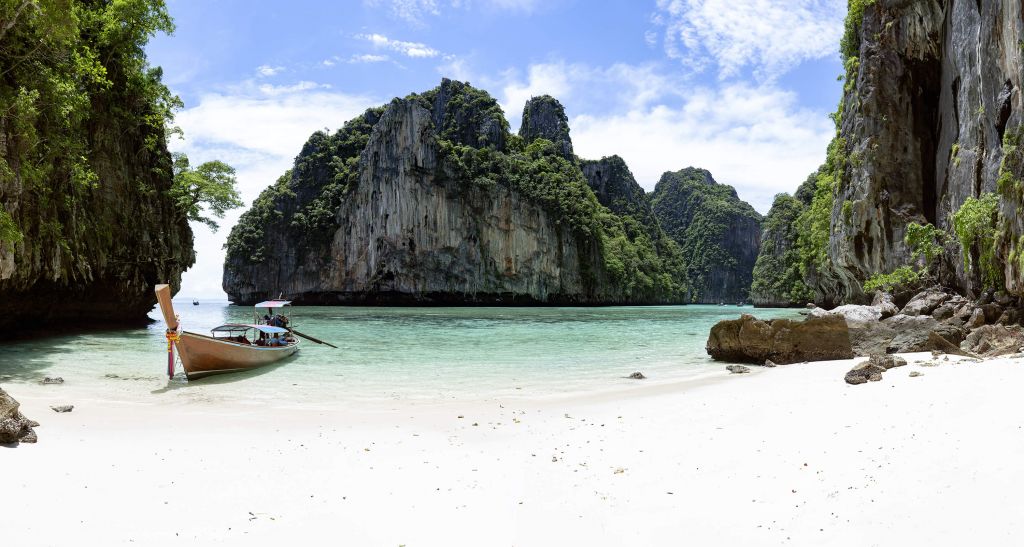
[778, 280]
[87, 221]
[430, 200]
[616, 188]
[544, 118]
[719, 234]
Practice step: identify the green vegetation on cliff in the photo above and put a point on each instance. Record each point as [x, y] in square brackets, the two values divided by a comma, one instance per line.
[717, 232]
[303, 202]
[67, 66]
[777, 275]
[975, 227]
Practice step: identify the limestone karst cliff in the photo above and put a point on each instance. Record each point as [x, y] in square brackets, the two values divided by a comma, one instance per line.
[87, 226]
[544, 118]
[719, 234]
[778, 280]
[928, 133]
[430, 200]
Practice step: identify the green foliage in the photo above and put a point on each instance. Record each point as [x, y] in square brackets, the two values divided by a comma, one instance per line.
[247, 240]
[1011, 168]
[9, 232]
[925, 241]
[902, 278]
[815, 222]
[849, 45]
[209, 187]
[467, 115]
[975, 227]
[954, 154]
[73, 78]
[777, 270]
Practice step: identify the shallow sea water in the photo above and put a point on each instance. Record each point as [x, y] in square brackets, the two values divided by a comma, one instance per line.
[396, 353]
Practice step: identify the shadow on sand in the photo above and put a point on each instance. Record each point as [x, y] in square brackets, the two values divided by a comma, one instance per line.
[179, 381]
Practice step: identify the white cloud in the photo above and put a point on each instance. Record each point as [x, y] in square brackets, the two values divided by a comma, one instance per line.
[409, 49]
[455, 68]
[258, 129]
[267, 70]
[766, 36]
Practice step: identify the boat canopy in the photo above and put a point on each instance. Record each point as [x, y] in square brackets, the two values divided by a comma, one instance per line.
[262, 328]
[274, 304]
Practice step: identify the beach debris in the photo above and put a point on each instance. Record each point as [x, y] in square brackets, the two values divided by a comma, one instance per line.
[915, 374]
[62, 408]
[461, 416]
[737, 369]
[637, 376]
[57, 380]
[14, 426]
[769, 363]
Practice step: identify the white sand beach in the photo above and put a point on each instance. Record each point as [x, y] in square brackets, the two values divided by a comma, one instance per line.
[783, 456]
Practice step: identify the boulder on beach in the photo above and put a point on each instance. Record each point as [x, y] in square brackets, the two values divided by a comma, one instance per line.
[737, 369]
[783, 341]
[637, 376]
[14, 426]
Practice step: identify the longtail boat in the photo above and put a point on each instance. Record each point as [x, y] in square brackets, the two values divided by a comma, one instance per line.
[233, 347]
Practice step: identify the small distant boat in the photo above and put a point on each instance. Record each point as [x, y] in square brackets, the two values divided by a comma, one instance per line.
[195, 302]
[233, 347]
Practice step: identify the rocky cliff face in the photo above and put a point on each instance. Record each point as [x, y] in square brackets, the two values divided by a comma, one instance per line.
[719, 234]
[932, 107]
[406, 205]
[616, 189]
[87, 226]
[778, 280]
[544, 118]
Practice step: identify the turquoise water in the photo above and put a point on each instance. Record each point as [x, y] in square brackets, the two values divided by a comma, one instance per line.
[397, 353]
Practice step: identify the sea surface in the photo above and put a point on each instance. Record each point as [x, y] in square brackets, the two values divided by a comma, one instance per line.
[395, 353]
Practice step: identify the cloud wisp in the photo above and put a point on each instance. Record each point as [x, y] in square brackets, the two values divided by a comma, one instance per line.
[766, 37]
[415, 50]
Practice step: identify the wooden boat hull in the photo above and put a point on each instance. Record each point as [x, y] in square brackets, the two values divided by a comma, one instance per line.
[204, 355]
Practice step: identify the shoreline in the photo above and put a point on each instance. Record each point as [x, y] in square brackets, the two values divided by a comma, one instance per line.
[791, 455]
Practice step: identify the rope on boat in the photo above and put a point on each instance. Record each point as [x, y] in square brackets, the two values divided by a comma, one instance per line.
[173, 336]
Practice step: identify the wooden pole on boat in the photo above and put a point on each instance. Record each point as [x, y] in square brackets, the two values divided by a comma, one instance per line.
[163, 297]
[310, 338]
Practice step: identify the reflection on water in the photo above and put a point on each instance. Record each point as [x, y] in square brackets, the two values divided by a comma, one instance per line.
[395, 353]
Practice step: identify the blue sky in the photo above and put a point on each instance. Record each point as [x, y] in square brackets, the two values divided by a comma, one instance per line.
[740, 87]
